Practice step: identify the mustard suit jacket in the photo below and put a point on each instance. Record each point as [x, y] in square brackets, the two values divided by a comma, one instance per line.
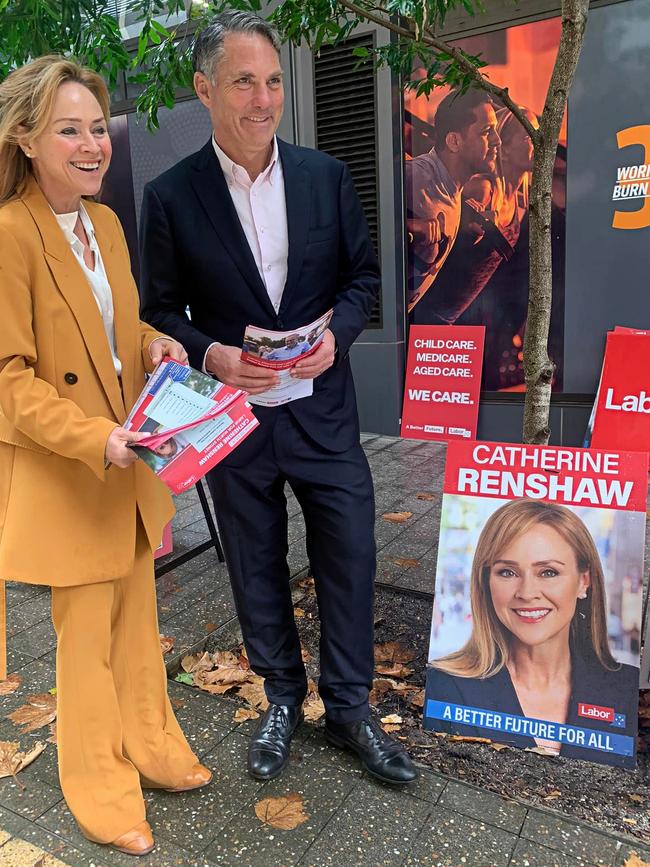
[65, 519]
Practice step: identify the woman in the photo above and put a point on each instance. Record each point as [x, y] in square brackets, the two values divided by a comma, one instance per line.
[73, 356]
[539, 645]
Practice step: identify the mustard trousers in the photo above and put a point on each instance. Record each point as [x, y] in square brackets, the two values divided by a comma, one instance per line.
[116, 729]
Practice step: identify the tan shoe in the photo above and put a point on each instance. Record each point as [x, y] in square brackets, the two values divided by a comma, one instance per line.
[199, 776]
[137, 841]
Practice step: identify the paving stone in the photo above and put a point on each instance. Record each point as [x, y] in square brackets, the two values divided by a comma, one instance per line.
[569, 838]
[247, 840]
[193, 819]
[449, 839]
[60, 822]
[27, 795]
[28, 613]
[16, 660]
[214, 709]
[18, 592]
[202, 735]
[37, 641]
[375, 826]
[428, 786]
[529, 854]
[485, 806]
[321, 751]
[188, 595]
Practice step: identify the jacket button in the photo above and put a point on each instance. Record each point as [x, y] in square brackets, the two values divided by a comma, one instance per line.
[280, 323]
[71, 378]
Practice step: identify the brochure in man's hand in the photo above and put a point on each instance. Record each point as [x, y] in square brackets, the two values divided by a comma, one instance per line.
[193, 422]
[280, 351]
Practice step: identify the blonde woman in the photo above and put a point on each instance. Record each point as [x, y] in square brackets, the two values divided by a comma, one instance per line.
[73, 356]
[539, 645]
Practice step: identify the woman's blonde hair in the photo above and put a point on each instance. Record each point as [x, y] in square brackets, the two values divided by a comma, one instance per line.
[26, 99]
[488, 647]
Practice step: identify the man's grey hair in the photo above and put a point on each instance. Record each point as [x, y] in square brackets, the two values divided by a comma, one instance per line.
[209, 44]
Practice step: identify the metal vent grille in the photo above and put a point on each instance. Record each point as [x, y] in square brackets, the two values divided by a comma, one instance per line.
[345, 102]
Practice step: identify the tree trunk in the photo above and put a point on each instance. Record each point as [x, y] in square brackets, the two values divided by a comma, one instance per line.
[538, 368]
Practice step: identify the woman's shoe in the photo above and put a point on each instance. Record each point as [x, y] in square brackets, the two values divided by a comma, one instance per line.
[137, 841]
[199, 776]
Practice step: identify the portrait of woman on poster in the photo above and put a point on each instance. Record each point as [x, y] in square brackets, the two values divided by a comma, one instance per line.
[539, 643]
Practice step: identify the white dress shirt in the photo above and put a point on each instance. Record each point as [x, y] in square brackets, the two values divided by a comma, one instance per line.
[96, 278]
[262, 210]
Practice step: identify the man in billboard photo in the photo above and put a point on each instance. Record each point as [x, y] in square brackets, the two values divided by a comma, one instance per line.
[466, 143]
[254, 231]
[539, 644]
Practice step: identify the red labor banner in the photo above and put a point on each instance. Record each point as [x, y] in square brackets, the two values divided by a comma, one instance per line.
[443, 382]
[622, 416]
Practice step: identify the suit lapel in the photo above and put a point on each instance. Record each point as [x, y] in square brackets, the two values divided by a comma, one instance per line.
[212, 190]
[297, 188]
[74, 287]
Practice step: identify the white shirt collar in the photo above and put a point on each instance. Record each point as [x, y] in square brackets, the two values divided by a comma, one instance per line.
[237, 173]
[69, 221]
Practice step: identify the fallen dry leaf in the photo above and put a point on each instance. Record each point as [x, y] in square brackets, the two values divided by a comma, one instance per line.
[633, 860]
[39, 711]
[469, 739]
[307, 584]
[424, 496]
[394, 670]
[11, 684]
[541, 751]
[52, 737]
[313, 707]
[209, 627]
[627, 821]
[244, 713]
[298, 612]
[166, 643]
[499, 747]
[254, 694]
[223, 674]
[177, 703]
[285, 812]
[306, 655]
[393, 651]
[397, 517]
[196, 662]
[417, 699]
[12, 760]
[392, 719]
[556, 793]
[405, 562]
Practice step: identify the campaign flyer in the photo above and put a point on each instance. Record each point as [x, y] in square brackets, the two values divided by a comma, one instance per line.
[536, 621]
[443, 382]
[193, 422]
[280, 351]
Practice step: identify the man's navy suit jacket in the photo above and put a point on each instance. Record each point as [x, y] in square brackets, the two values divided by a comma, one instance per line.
[195, 253]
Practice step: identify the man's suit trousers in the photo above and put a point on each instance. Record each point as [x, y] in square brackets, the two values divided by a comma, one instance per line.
[116, 729]
[336, 495]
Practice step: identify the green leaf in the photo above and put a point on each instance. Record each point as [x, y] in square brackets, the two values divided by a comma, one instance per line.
[185, 677]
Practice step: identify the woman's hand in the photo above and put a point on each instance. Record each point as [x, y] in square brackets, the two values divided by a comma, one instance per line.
[117, 452]
[165, 347]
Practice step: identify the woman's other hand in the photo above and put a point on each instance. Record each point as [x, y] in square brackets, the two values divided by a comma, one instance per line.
[117, 451]
[165, 347]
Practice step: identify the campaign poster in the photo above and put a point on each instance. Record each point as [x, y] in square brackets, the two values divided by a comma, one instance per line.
[621, 417]
[536, 622]
[468, 165]
[443, 382]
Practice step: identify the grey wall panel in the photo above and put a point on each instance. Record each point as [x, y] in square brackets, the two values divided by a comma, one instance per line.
[606, 268]
[378, 370]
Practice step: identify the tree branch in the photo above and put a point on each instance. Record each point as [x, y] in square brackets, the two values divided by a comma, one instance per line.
[429, 38]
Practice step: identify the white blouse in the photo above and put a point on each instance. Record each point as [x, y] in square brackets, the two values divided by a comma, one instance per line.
[97, 279]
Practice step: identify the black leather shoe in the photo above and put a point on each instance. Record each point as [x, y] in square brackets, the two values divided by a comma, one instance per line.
[268, 751]
[380, 755]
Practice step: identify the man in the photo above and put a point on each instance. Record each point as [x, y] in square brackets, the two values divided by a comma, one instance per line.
[251, 230]
[294, 346]
[466, 143]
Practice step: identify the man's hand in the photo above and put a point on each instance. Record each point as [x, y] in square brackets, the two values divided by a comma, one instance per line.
[116, 451]
[226, 364]
[318, 362]
[163, 347]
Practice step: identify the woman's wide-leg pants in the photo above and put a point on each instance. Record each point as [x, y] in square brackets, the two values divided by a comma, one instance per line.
[116, 729]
